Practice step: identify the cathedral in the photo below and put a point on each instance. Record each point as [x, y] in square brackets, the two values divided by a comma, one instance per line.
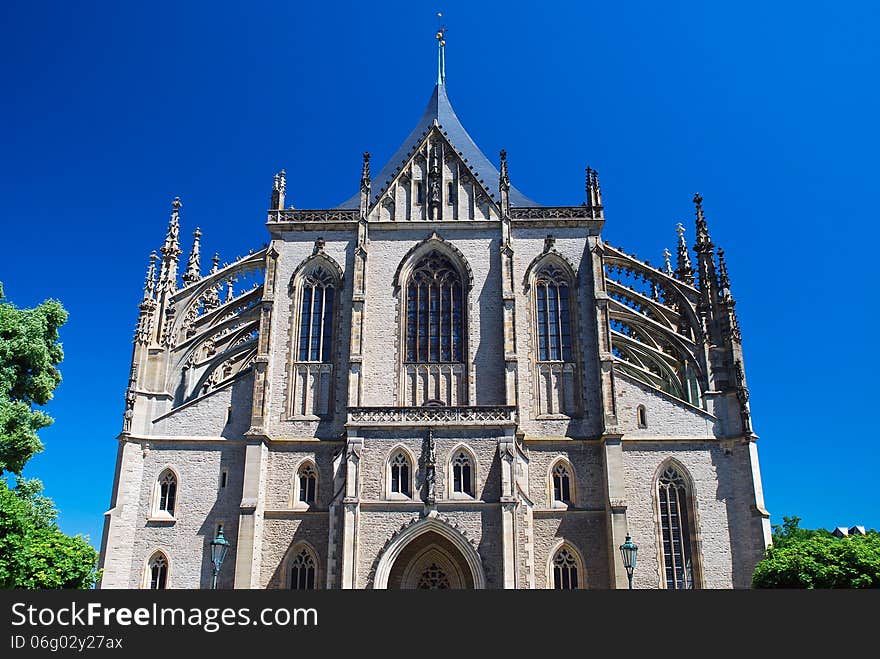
[438, 383]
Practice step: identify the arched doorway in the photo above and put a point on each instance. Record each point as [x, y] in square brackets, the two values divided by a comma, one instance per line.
[430, 555]
[430, 562]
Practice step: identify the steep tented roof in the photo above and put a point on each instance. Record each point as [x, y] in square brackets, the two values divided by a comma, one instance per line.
[440, 109]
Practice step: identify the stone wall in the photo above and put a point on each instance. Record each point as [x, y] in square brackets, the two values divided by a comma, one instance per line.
[201, 505]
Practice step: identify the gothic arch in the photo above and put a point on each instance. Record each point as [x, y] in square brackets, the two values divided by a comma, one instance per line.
[402, 538]
[579, 562]
[573, 488]
[317, 259]
[295, 483]
[156, 553]
[550, 257]
[386, 469]
[475, 468]
[694, 525]
[290, 555]
[155, 512]
[420, 249]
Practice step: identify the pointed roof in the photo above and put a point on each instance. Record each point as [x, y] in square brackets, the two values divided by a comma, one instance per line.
[440, 110]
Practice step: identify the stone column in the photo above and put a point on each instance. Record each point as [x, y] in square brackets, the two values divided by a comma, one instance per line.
[248, 548]
[509, 501]
[615, 507]
[351, 511]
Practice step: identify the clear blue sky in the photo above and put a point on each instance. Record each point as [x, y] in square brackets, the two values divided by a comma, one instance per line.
[770, 110]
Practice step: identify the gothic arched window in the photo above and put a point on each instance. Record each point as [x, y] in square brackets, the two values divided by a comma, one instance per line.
[307, 485]
[303, 570]
[675, 528]
[552, 315]
[166, 494]
[316, 317]
[562, 483]
[399, 477]
[565, 570]
[434, 312]
[157, 571]
[462, 474]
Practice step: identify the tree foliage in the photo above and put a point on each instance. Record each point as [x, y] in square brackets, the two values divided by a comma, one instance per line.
[805, 558]
[34, 553]
[29, 356]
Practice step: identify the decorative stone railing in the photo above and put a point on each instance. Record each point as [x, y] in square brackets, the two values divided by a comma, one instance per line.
[479, 415]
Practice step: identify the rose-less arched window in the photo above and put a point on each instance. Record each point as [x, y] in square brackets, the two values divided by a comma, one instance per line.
[302, 571]
[565, 570]
[158, 571]
[316, 317]
[675, 527]
[434, 318]
[553, 315]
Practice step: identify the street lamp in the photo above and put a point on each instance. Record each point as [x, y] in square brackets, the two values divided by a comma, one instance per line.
[219, 547]
[628, 551]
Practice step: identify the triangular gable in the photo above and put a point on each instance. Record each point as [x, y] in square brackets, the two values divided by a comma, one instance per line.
[434, 183]
[439, 113]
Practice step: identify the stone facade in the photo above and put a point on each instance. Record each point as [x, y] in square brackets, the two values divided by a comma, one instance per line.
[503, 425]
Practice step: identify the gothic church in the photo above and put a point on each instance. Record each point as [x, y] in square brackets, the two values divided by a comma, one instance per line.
[438, 383]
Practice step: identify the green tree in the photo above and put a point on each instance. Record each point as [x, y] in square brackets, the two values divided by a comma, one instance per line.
[805, 558]
[34, 553]
[29, 356]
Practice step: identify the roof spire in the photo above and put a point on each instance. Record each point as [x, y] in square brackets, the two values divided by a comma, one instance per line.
[684, 272]
[441, 51]
[279, 187]
[193, 267]
[215, 263]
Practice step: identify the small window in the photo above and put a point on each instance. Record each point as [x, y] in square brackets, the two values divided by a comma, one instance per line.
[224, 477]
[565, 570]
[642, 414]
[450, 193]
[158, 571]
[302, 571]
[167, 499]
[462, 474]
[400, 475]
[561, 484]
[308, 481]
[420, 193]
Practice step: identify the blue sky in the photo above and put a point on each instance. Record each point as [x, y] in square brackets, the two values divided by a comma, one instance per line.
[109, 110]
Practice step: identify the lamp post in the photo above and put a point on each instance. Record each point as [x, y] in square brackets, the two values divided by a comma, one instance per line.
[219, 547]
[628, 551]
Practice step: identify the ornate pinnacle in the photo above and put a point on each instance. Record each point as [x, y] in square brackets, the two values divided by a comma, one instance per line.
[594, 193]
[365, 172]
[724, 279]
[504, 180]
[170, 251]
[279, 188]
[171, 248]
[193, 266]
[215, 263]
[704, 243]
[684, 272]
[150, 283]
[667, 264]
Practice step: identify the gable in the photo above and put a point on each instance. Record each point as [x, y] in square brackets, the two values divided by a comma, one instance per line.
[434, 183]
